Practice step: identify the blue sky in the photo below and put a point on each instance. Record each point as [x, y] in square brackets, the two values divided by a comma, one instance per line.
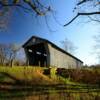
[23, 25]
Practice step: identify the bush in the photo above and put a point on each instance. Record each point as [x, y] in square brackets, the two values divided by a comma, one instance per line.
[80, 75]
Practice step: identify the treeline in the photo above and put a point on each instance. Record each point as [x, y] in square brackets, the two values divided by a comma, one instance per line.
[86, 76]
[11, 54]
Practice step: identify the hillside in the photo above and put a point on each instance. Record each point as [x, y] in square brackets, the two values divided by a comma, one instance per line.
[33, 75]
[42, 75]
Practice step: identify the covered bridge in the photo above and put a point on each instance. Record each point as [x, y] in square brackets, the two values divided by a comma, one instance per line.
[41, 52]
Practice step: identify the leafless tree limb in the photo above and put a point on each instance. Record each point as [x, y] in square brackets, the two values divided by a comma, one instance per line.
[46, 21]
[32, 5]
[14, 5]
[71, 20]
[96, 20]
[82, 14]
[82, 1]
[36, 9]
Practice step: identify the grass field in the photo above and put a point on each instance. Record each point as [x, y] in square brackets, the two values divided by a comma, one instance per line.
[35, 75]
[29, 74]
[29, 83]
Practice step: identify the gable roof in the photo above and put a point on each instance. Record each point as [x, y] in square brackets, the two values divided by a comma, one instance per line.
[55, 46]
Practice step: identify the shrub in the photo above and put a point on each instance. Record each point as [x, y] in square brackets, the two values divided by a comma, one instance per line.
[80, 75]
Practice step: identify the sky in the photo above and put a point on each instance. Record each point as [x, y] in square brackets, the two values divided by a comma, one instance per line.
[23, 25]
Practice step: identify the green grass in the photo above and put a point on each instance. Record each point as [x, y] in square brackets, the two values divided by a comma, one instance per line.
[27, 73]
[32, 74]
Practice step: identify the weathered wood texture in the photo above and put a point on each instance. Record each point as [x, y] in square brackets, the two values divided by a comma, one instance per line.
[62, 60]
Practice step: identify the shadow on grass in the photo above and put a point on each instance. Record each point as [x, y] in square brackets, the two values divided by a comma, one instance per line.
[19, 90]
[41, 95]
[5, 77]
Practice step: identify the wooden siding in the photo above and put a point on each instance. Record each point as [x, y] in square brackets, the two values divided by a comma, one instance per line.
[60, 59]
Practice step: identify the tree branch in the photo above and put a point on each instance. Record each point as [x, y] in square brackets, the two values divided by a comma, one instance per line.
[82, 1]
[79, 3]
[32, 5]
[71, 20]
[94, 19]
[15, 1]
[82, 14]
[17, 5]
[90, 13]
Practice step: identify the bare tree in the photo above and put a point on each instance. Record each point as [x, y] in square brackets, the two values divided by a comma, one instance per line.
[97, 47]
[88, 8]
[3, 54]
[68, 46]
[8, 53]
[12, 52]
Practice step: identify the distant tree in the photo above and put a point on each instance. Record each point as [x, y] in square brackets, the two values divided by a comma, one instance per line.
[88, 8]
[8, 53]
[68, 46]
[3, 54]
[12, 52]
[97, 47]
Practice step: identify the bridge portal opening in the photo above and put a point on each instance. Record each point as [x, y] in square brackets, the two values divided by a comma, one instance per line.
[37, 55]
